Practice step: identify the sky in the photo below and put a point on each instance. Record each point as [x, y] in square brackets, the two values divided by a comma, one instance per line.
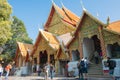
[34, 13]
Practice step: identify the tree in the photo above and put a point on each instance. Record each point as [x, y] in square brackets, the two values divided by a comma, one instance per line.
[5, 22]
[19, 34]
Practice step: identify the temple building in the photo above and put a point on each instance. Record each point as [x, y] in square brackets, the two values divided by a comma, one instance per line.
[22, 57]
[92, 35]
[45, 49]
[67, 37]
[50, 44]
[60, 21]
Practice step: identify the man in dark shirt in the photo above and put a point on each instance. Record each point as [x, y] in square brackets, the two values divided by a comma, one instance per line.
[111, 64]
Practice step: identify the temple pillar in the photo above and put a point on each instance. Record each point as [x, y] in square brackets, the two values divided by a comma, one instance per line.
[102, 42]
[57, 67]
[80, 46]
[81, 50]
[48, 60]
[70, 54]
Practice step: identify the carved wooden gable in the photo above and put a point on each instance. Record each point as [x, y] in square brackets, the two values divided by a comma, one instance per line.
[110, 38]
[42, 46]
[88, 28]
[57, 27]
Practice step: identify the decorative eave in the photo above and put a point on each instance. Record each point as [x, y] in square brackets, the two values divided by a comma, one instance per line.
[114, 32]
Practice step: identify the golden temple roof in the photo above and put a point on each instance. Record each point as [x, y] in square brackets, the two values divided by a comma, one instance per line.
[114, 26]
[53, 42]
[49, 37]
[24, 48]
[65, 15]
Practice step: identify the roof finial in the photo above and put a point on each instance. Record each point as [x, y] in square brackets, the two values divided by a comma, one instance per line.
[52, 1]
[108, 20]
[97, 15]
[39, 27]
[82, 5]
[62, 4]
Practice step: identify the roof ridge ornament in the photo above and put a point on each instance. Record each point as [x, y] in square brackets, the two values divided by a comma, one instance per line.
[62, 4]
[108, 20]
[81, 2]
[52, 1]
[97, 15]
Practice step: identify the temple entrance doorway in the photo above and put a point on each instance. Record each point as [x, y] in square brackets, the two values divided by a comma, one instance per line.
[90, 46]
[75, 55]
[43, 58]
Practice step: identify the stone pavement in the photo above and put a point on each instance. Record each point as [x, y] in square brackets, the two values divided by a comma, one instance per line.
[55, 78]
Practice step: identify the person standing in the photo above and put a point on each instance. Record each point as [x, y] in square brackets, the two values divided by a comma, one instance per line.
[111, 64]
[96, 56]
[51, 71]
[47, 67]
[39, 70]
[80, 71]
[1, 71]
[85, 70]
[66, 69]
[7, 68]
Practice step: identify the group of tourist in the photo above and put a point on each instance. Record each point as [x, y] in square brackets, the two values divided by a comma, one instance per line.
[83, 68]
[7, 70]
[49, 71]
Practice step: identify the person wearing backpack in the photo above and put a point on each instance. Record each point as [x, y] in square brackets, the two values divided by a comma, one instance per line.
[86, 62]
[82, 65]
[80, 70]
[111, 64]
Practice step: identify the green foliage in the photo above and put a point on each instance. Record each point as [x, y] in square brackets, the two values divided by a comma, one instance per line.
[19, 35]
[5, 22]
[19, 31]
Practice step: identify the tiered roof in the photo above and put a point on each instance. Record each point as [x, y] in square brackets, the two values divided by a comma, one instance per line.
[65, 15]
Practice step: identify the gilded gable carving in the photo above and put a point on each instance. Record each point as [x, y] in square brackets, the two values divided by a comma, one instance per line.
[110, 37]
[55, 20]
[59, 29]
[89, 28]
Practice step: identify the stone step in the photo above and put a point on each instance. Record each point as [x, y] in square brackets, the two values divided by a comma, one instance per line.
[95, 69]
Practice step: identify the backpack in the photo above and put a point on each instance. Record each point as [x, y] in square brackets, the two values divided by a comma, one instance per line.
[82, 63]
[78, 65]
[112, 63]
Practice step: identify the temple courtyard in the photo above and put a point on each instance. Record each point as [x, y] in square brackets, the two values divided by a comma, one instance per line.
[55, 78]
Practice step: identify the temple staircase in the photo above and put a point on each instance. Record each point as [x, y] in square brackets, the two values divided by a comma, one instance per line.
[93, 68]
